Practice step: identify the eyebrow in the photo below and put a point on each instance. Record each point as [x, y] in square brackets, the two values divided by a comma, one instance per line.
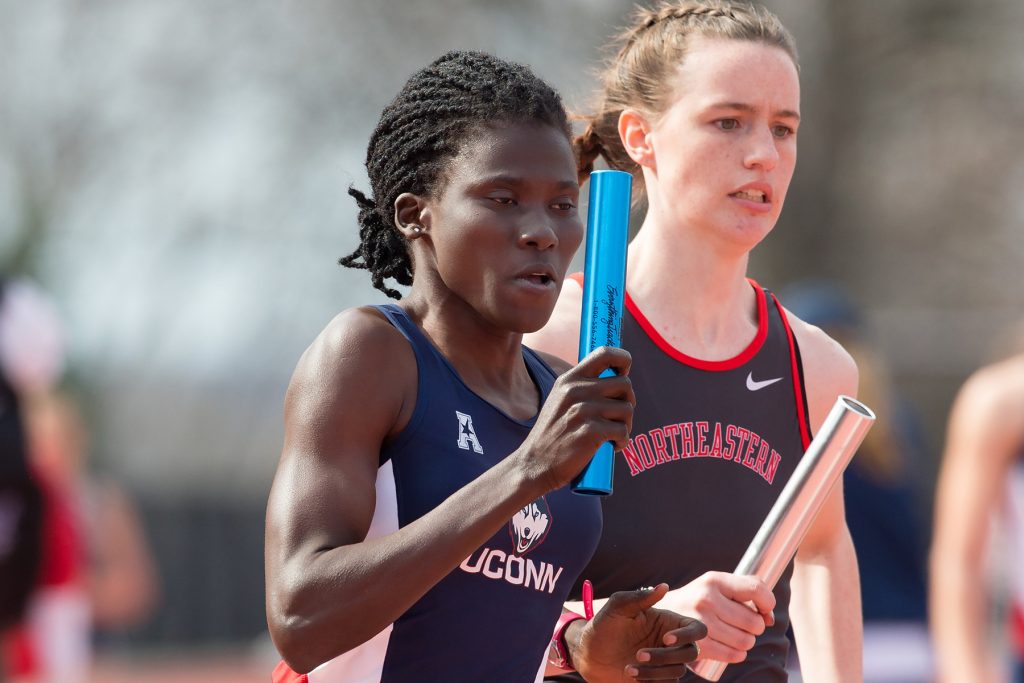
[742, 106]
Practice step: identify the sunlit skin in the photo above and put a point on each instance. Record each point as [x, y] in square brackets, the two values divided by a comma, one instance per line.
[983, 443]
[732, 127]
[492, 253]
[717, 164]
[490, 246]
[509, 214]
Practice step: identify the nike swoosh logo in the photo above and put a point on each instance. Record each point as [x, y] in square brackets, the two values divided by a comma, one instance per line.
[754, 385]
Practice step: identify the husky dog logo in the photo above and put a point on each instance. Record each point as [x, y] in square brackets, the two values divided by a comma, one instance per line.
[467, 435]
[529, 526]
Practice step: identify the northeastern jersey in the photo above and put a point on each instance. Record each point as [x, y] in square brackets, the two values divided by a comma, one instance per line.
[491, 618]
[712, 446]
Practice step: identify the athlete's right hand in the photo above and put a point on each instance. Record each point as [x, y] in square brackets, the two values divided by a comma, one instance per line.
[582, 411]
[726, 604]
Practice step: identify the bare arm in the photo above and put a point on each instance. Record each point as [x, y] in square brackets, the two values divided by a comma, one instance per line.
[985, 431]
[330, 589]
[122, 579]
[825, 604]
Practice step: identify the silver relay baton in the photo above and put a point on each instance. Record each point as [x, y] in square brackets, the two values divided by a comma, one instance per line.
[777, 540]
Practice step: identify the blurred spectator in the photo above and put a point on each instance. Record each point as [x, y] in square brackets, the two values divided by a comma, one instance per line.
[95, 568]
[31, 357]
[54, 637]
[884, 506]
[96, 571]
[117, 568]
[981, 480]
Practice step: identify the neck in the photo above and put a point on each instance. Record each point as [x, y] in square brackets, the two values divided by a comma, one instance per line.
[488, 359]
[692, 289]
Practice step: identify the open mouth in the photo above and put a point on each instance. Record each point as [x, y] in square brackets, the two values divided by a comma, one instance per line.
[751, 196]
[538, 275]
[542, 279]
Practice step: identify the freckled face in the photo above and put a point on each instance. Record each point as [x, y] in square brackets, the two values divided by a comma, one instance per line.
[725, 149]
[504, 226]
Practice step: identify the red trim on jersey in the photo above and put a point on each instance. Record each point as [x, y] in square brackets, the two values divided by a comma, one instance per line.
[1017, 629]
[710, 365]
[63, 556]
[284, 674]
[805, 432]
[18, 653]
[577, 277]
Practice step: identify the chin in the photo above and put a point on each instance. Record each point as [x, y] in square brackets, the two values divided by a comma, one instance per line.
[527, 321]
[524, 317]
[530, 324]
[751, 233]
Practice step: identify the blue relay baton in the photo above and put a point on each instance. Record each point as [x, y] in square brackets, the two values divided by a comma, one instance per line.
[604, 287]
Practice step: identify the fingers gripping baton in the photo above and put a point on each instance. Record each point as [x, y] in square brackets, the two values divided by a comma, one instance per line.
[798, 505]
[604, 287]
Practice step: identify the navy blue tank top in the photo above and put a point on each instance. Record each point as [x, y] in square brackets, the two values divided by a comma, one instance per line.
[713, 444]
[491, 618]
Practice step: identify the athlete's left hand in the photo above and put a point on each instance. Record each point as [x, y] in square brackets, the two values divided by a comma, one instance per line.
[630, 640]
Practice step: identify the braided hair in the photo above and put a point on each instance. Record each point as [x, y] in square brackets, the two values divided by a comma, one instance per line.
[649, 53]
[419, 133]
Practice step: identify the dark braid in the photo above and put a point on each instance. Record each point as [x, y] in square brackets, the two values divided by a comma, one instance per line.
[419, 133]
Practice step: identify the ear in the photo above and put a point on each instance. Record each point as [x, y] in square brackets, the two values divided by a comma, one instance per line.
[635, 133]
[411, 215]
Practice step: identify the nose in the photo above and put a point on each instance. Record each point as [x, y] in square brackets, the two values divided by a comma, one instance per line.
[538, 231]
[762, 152]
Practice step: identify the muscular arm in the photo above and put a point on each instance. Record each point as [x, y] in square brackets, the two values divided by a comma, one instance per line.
[986, 428]
[328, 587]
[825, 603]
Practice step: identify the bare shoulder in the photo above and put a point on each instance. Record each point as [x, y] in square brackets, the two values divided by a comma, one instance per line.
[359, 362]
[352, 343]
[992, 400]
[560, 337]
[351, 390]
[829, 371]
[998, 385]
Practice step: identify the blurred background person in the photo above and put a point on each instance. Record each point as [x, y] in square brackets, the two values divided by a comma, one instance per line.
[97, 572]
[977, 608]
[93, 565]
[31, 358]
[54, 637]
[885, 500]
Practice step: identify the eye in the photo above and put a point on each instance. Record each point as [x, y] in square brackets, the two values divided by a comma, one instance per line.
[564, 205]
[503, 201]
[727, 124]
[781, 131]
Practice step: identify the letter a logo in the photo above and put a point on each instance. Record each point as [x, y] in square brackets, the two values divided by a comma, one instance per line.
[467, 437]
